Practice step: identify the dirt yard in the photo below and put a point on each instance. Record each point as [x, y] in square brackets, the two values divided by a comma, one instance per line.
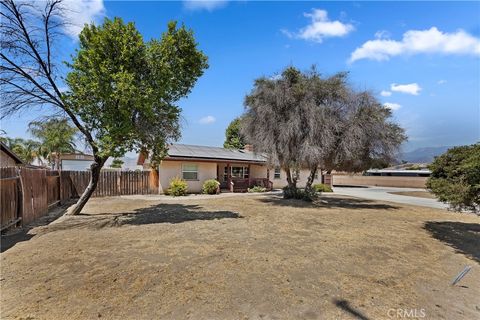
[248, 257]
[419, 194]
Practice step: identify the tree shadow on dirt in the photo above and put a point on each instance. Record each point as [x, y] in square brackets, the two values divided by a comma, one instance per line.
[329, 202]
[160, 213]
[463, 237]
[345, 306]
[174, 213]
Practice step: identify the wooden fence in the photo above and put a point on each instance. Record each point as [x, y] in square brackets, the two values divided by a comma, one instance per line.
[111, 183]
[26, 194]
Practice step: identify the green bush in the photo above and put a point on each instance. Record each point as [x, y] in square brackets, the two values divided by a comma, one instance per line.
[300, 194]
[455, 177]
[210, 186]
[320, 187]
[257, 189]
[178, 187]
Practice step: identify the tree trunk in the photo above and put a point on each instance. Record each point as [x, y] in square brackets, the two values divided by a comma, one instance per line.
[311, 177]
[292, 183]
[95, 169]
[57, 161]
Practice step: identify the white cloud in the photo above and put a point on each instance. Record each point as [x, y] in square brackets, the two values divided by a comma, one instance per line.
[392, 106]
[411, 88]
[79, 12]
[419, 41]
[382, 34]
[441, 81]
[208, 5]
[320, 27]
[385, 93]
[207, 120]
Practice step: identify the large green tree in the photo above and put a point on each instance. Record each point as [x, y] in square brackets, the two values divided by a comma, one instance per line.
[233, 137]
[56, 136]
[455, 177]
[122, 92]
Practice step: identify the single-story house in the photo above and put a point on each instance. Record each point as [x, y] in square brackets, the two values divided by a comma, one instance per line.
[8, 158]
[236, 170]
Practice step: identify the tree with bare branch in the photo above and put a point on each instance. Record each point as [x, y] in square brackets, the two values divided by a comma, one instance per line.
[121, 91]
[305, 120]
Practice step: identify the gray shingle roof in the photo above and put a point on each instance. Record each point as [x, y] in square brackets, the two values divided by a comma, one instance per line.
[204, 152]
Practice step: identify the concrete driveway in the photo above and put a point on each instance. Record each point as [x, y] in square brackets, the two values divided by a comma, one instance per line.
[382, 194]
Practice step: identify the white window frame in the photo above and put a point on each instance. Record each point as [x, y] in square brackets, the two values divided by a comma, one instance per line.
[245, 172]
[190, 171]
[277, 175]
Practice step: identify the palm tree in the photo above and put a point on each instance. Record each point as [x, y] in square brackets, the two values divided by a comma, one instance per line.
[56, 136]
[27, 150]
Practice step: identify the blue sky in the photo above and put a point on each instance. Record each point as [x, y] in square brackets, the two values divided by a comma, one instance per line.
[422, 59]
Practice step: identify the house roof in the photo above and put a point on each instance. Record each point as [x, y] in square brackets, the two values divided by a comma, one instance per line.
[398, 171]
[214, 153]
[10, 153]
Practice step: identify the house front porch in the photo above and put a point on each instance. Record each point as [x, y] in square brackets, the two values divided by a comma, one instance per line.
[238, 177]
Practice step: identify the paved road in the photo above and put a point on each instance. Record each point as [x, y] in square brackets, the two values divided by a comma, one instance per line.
[382, 194]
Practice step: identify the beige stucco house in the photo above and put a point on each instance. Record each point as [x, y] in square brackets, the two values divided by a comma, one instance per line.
[236, 170]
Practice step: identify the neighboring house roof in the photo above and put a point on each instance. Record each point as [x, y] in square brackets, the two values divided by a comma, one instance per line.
[10, 153]
[76, 156]
[214, 153]
[425, 171]
[187, 152]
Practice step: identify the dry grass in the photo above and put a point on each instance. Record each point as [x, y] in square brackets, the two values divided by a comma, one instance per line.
[418, 194]
[251, 257]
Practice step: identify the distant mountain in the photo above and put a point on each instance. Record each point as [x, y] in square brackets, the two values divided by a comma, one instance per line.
[423, 155]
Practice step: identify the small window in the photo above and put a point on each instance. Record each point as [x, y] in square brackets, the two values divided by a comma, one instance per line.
[316, 175]
[190, 172]
[276, 175]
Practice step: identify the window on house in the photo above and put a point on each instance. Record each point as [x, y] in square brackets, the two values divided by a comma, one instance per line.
[190, 172]
[236, 172]
[316, 175]
[276, 174]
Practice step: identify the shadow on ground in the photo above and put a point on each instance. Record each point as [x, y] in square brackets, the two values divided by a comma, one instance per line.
[11, 238]
[159, 213]
[329, 202]
[345, 306]
[463, 237]
[173, 213]
[8, 241]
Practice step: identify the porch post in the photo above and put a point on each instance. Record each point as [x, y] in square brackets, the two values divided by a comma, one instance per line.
[229, 177]
[249, 176]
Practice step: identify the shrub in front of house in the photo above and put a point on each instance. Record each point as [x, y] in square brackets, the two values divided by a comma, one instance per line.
[178, 187]
[257, 189]
[320, 187]
[300, 194]
[211, 186]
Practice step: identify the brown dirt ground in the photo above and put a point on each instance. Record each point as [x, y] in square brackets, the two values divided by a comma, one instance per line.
[255, 257]
[419, 194]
